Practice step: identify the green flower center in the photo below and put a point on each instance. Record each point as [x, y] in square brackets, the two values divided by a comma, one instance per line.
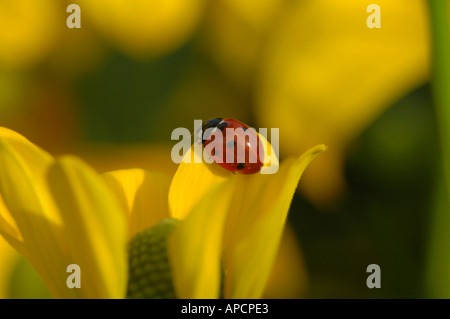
[149, 268]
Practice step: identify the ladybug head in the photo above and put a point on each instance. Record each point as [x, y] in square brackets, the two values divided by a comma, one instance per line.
[210, 123]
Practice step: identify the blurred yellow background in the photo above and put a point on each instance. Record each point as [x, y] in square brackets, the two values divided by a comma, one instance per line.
[113, 90]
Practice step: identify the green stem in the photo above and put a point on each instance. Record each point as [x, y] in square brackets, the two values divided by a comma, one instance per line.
[438, 271]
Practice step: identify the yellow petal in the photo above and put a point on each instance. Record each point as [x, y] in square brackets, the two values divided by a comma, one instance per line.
[105, 157]
[26, 197]
[28, 31]
[288, 278]
[255, 224]
[37, 160]
[95, 228]
[195, 246]
[143, 196]
[326, 76]
[8, 226]
[146, 27]
[191, 182]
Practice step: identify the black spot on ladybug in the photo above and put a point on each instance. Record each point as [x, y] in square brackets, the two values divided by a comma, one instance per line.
[240, 166]
[222, 125]
[231, 144]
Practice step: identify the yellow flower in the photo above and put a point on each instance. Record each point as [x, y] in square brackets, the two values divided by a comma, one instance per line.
[29, 30]
[59, 211]
[144, 28]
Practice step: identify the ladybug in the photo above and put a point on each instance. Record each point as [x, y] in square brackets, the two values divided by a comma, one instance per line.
[235, 141]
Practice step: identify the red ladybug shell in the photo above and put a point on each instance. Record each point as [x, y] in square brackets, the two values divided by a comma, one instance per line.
[243, 146]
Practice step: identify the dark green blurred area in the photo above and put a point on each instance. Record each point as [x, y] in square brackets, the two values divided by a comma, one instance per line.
[24, 283]
[125, 100]
[130, 101]
[384, 217]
